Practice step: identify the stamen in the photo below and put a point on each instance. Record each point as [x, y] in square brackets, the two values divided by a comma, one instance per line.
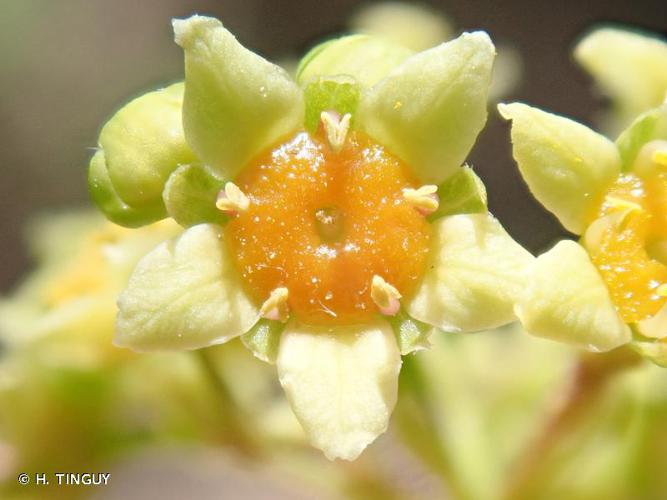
[276, 307]
[652, 157]
[336, 128]
[232, 200]
[425, 199]
[624, 209]
[385, 296]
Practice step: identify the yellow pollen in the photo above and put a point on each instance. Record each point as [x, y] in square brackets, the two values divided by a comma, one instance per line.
[323, 223]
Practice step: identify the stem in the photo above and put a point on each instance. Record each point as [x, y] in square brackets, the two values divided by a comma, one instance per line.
[590, 376]
[417, 427]
[231, 426]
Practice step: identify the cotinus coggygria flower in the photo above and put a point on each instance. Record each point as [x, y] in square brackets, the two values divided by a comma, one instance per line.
[329, 221]
[610, 287]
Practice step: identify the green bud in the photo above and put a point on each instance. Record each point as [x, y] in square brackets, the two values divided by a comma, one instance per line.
[190, 193]
[141, 145]
[366, 58]
[107, 200]
[462, 193]
[339, 93]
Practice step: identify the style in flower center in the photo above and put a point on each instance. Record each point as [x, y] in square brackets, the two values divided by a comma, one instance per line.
[330, 228]
[628, 240]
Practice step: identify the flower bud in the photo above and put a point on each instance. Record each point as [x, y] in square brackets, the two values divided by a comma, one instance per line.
[366, 58]
[140, 146]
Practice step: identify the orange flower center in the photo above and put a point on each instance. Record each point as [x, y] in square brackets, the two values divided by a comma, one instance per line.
[322, 224]
[630, 245]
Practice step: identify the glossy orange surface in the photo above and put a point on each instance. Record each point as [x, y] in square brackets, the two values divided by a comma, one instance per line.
[622, 252]
[322, 224]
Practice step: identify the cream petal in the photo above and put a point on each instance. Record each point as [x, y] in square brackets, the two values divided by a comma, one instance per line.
[475, 277]
[185, 294]
[566, 300]
[566, 165]
[236, 103]
[342, 383]
[430, 109]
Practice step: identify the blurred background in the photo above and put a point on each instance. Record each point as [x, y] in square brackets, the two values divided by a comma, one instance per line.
[67, 65]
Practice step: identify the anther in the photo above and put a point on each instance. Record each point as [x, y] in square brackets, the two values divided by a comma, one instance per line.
[425, 199]
[336, 128]
[623, 209]
[232, 200]
[652, 158]
[385, 296]
[276, 307]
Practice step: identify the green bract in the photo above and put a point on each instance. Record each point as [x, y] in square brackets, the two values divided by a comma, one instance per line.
[462, 193]
[189, 193]
[426, 108]
[341, 93]
[647, 127]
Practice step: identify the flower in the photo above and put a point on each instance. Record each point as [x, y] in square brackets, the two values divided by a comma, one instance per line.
[59, 371]
[65, 309]
[329, 221]
[610, 287]
[628, 66]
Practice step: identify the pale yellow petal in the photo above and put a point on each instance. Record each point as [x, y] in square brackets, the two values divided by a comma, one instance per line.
[185, 294]
[341, 382]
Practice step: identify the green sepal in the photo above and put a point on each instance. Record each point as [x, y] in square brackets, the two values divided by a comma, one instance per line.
[340, 93]
[107, 200]
[366, 58]
[411, 335]
[264, 339]
[647, 127]
[653, 349]
[462, 193]
[190, 194]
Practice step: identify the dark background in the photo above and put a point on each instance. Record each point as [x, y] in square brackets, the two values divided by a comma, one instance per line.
[66, 65]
